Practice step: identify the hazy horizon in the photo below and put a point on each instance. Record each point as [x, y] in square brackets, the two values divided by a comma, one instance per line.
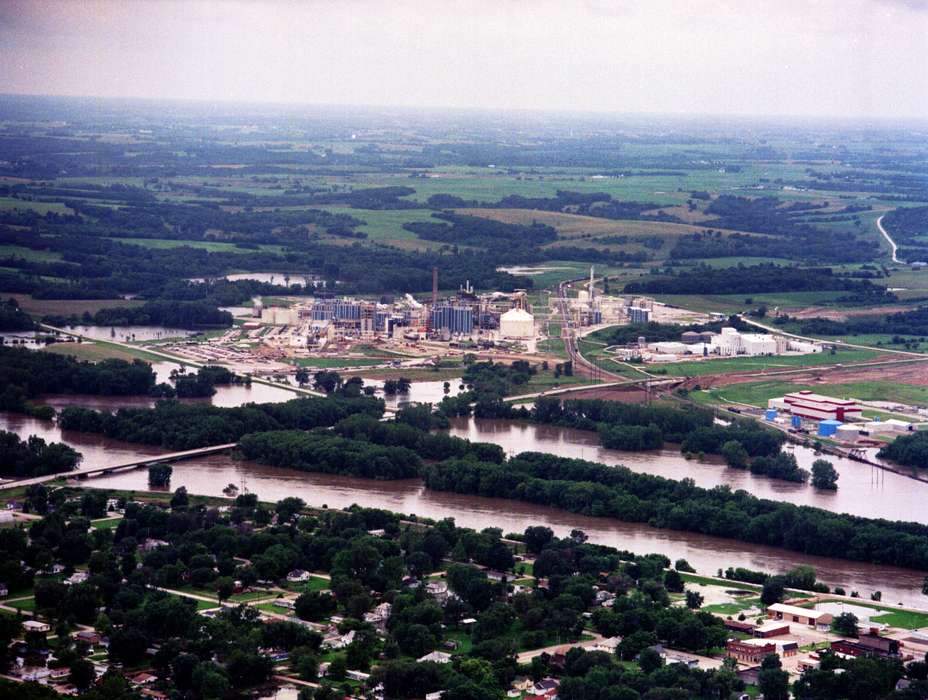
[858, 59]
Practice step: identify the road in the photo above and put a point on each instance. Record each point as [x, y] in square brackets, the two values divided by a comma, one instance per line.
[892, 243]
[145, 461]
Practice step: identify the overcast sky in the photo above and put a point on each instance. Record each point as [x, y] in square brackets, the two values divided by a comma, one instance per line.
[858, 58]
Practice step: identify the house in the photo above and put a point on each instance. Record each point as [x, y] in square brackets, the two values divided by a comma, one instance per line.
[687, 661]
[545, 686]
[89, 636]
[76, 577]
[358, 676]
[749, 653]
[802, 616]
[140, 679]
[285, 603]
[4, 591]
[435, 696]
[151, 543]
[35, 626]
[436, 657]
[298, 576]
[338, 641]
[607, 645]
[57, 674]
[438, 590]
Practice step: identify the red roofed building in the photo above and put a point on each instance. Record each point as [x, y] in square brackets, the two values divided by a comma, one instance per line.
[807, 404]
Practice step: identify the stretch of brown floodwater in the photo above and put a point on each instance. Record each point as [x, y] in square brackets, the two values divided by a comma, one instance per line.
[862, 491]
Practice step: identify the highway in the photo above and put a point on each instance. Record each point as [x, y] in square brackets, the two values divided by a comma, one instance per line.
[892, 243]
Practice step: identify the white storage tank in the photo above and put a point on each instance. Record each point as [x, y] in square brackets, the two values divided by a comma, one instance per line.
[517, 323]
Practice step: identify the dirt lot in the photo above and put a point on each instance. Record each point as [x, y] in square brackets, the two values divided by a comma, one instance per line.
[844, 314]
[915, 373]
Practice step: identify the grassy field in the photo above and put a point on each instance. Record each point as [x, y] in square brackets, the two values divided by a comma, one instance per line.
[732, 303]
[66, 307]
[761, 363]
[386, 226]
[758, 393]
[105, 523]
[15, 251]
[327, 362]
[96, 351]
[9, 203]
[211, 246]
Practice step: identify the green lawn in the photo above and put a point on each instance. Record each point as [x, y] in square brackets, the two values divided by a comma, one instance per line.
[15, 251]
[27, 604]
[105, 523]
[903, 619]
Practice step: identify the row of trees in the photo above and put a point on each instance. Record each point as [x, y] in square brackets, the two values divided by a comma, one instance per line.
[20, 459]
[180, 426]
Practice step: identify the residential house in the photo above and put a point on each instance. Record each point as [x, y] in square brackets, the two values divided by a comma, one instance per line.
[76, 577]
[436, 657]
[299, 576]
[35, 626]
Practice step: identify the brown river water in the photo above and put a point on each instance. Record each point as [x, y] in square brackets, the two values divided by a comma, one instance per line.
[891, 496]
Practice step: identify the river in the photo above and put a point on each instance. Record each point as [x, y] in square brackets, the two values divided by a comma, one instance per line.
[209, 475]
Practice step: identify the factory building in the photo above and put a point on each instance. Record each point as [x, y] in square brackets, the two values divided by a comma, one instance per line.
[638, 314]
[812, 406]
[454, 319]
[517, 323]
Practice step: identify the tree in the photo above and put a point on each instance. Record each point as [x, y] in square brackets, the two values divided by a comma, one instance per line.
[735, 455]
[81, 674]
[302, 376]
[326, 381]
[845, 624]
[537, 536]
[224, 586]
[694, 600]
[180, 498]
[773, 590]
[288, 507]
[683, 565]
[673, 582]
[649, 660]
[824, 475]
[159, 475]
[772, 680]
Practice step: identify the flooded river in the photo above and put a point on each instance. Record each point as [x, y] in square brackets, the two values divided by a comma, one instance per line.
[862, 491]
[208, 475]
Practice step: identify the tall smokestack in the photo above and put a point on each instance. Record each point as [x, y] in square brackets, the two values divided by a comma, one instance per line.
[434, 286]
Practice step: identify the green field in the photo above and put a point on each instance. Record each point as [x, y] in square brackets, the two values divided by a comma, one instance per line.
[105, 523]
[758, 393]
[9, 203]
[211, 246]
[734, 303]
[15, 251]
[761, 363]
[328, 362]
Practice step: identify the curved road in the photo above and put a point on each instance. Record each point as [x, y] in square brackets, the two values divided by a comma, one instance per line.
[892, 243]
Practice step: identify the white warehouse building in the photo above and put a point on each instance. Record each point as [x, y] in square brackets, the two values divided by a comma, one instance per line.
[517, 323]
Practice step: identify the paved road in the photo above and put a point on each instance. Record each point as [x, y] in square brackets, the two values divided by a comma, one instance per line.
[892, 243]
[150, 459]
